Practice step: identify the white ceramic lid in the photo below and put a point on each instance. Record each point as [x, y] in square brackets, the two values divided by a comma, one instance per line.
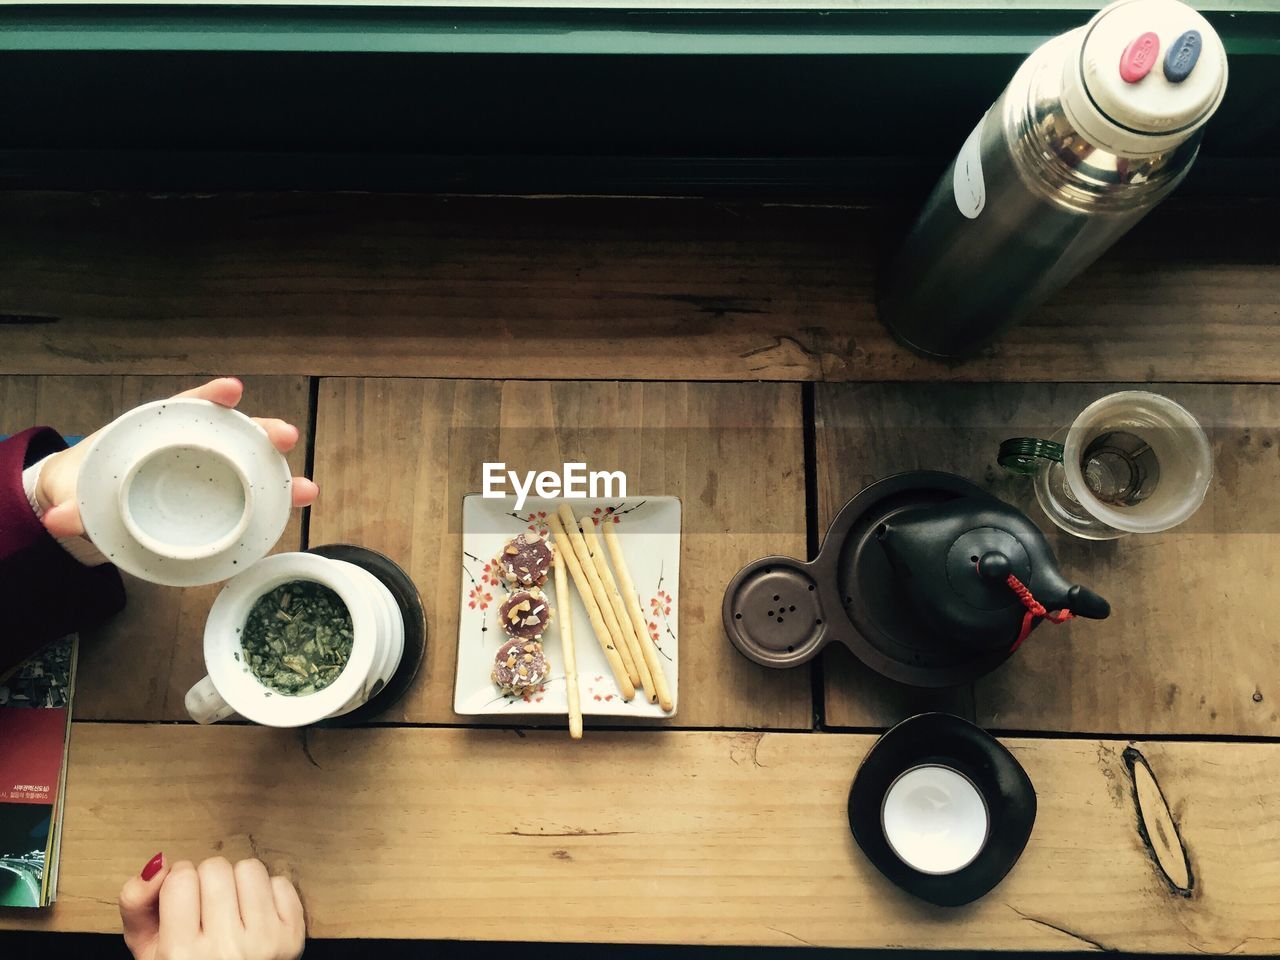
[184, 492]
[1130, 91]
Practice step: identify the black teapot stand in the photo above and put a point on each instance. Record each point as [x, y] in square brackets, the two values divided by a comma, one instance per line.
[406, 596]
[781, 612]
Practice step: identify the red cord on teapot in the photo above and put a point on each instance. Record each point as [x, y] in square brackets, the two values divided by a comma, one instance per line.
[1034, 609]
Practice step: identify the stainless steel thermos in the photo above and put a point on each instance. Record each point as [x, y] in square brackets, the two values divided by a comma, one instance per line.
[1096, 127]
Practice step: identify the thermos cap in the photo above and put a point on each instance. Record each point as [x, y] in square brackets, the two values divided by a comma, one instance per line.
[1149, 73]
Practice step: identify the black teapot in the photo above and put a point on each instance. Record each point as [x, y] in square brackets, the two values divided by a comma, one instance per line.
[973, 566]
[925, 576]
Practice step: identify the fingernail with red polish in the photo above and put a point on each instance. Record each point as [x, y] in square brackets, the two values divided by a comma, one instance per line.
[153, 866]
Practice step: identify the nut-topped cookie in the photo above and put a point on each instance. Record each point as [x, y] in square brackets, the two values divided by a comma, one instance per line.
[526, 560]
[525, 614]
[520, 667]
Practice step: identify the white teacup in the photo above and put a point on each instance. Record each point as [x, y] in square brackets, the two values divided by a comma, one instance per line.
[935, 819]
[230, 687]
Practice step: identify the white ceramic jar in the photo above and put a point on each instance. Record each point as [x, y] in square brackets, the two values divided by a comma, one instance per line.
[230, 687]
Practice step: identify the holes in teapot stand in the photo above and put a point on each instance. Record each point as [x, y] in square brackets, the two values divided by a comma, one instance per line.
[789, 618]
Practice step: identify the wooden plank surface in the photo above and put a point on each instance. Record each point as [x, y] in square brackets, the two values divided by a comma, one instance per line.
[139, 666]
[1190, 646]
[616, 289]
[394, 458]
[703, 837]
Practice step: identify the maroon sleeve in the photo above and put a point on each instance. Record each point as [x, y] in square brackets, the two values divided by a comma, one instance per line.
[45, 593]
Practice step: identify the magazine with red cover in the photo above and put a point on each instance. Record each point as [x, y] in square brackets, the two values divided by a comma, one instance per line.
[35, 726]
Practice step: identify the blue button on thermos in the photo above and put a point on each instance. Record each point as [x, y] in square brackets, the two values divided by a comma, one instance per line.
[1084, 141]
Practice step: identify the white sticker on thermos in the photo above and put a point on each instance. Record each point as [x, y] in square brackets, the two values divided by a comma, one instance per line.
[966, 181]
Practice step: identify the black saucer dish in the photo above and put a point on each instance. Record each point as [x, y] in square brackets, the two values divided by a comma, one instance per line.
[970, 754]
[407, 599]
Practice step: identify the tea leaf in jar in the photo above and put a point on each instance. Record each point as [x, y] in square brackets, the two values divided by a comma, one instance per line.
[297, 638]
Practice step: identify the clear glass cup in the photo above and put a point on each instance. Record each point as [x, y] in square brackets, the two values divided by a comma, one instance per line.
[1131, 462]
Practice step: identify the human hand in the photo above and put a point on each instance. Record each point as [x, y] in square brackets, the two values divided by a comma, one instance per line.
[211, 912]
[56, 491]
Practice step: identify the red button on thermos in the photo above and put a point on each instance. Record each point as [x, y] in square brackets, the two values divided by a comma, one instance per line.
[1139, 57]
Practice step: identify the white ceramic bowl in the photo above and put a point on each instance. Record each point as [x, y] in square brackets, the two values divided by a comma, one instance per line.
[230, 687]
[185, 501]
[184, 492]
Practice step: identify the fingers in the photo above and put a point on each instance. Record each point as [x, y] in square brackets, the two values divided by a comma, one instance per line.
[140, 906]
[179, 909]
[272, 913]
[219, 905]
[226, 908]
[226, 391]
[283, 436]
[289, 909]
[304, 492]
[64, 520]
[257, 901]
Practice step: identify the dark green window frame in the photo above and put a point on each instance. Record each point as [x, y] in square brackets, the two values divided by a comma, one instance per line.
[867, 98]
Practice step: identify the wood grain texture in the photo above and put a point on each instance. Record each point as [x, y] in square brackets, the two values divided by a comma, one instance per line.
[752, 827]
[372, 285]
[139, 666]
[1190, 642]
[394, 459]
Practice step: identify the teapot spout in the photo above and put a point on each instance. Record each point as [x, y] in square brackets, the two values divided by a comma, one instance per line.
[1083, 602]
[1058, 593]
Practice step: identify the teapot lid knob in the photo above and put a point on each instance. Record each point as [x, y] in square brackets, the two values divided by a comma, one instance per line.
[995, 566]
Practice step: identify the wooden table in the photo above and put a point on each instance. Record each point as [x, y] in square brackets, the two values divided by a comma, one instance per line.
[727, 353]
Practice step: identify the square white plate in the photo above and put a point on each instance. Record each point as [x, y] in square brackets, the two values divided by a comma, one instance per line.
[649, 531]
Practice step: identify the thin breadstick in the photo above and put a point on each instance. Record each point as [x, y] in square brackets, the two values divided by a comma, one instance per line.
[570, 525]
[567, 652]
[628, 589]
[593, 610]
[619, 608]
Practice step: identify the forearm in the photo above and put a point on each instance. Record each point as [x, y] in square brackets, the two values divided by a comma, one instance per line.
[45, 592]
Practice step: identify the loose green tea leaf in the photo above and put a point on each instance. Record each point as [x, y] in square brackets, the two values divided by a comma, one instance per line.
[297, 638]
